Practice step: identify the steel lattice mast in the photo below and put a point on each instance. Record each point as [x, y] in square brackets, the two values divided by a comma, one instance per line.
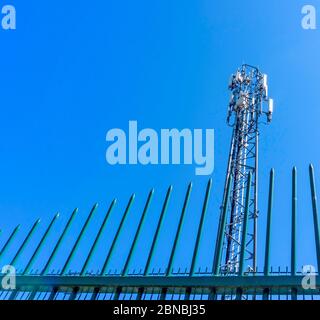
[249, 93]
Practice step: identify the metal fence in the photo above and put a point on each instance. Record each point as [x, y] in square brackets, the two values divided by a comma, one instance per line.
[166, 283]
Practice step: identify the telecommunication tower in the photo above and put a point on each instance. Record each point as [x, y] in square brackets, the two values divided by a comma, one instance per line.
[249, 101]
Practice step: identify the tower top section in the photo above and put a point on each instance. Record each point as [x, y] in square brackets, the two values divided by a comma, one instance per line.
[249, 92]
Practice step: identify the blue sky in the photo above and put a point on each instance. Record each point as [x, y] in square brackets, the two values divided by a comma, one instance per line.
[72, 71]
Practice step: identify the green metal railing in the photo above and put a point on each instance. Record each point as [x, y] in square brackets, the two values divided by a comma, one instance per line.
[167, 283]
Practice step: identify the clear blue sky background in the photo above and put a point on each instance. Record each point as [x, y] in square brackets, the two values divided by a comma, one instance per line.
[73, 70]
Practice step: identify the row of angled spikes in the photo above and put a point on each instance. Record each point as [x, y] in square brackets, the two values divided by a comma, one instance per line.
[104, 270]
[219, 242]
